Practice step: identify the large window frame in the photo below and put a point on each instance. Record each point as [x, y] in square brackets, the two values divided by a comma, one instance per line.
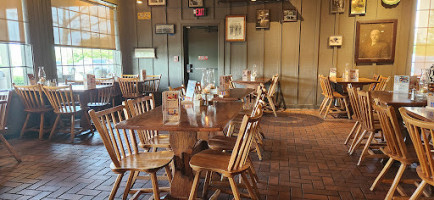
[423, 45]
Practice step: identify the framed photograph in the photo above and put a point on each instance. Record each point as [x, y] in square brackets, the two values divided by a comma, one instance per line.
[235, 28]
[358, 7]
[290, 15]
[165, 29]
[337, 6]
[335, 41]
[375, 41]
[195, 3]
[263, 19]
[156, 2]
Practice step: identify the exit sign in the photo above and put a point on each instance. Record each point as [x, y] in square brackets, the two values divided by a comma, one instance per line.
[199, 12]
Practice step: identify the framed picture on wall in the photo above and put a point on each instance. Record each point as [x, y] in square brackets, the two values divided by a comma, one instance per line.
[290, 15]
[156, 2]
[263, 19]
[235, 29]
[195, 3]
[337, 6]
[375, 41]
[358, 7]
[335, 41]
[165, 29]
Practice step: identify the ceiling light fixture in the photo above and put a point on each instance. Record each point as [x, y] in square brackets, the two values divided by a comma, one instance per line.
[139, 2]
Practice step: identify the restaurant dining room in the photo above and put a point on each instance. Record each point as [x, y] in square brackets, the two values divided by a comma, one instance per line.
[217, 99]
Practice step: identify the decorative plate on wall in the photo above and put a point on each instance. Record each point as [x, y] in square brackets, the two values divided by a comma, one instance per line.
[391, 2]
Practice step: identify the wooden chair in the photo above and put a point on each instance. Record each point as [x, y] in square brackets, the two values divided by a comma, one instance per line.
[64, 103]
[370, 128]
[270, 93]
[129, 88]
[198, 88]
[229, 164]
[101, 98]
[33, 100]
[102, 95]
[104, 81]
[181, 88]
[231, 83]
[382, 85]
[149, 139]
[372, 85]
[355, 131]
[130, 76]
[5, 99]
[328, 105]
[421, 134]
[396, 148]
[151, 83]
[73, 82]
[122, 148]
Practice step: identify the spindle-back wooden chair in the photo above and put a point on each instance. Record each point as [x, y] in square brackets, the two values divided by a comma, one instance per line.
[328, 106]
[421, 134]
[355, 131]
[382, 84]
[122, 148]
[32, 97]
[64, 102]
[231, 83]
[130, 76]
[180, 88]
[229, 164]
[73, 82]
[5, 100]
[103, 96]
[270, 93]
[129, 88]
[151, 83]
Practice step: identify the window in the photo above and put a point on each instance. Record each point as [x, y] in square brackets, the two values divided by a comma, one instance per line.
[15, 53]
[85, 39]
[423, 49]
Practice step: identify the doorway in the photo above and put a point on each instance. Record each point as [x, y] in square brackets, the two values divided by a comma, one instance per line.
[200, 51]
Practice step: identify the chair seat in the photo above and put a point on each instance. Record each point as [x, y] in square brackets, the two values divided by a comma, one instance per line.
[97, 104]
[411, 154]
[133, 96]
[67, 110]
[144, 161]
[47, 108]
[158, 141]
[339, 95]
[221, 143]
[213, 160]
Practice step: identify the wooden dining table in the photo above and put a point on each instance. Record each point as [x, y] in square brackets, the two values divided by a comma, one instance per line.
[422, 113]
[253, 84]
[357, 83]
[188, 137]
[235, 94]
[397, 100]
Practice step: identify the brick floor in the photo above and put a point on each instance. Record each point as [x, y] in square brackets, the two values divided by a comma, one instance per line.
[304, 159]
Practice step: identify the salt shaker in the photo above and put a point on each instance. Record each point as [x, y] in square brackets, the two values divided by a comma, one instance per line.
[413, 91]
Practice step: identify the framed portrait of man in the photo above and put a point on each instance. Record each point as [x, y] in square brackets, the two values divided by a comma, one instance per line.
[375, 41]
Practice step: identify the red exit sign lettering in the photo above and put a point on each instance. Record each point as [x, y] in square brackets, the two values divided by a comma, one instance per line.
[199, 12]
[202, 58]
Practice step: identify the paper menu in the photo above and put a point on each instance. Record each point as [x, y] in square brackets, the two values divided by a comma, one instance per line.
[171, 107]
[191, 85]
[246, 75]
[401, 84]
[90, 82]
[351, 74]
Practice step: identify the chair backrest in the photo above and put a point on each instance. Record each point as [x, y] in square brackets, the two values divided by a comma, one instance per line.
[273, 86]
[139, 106]
[118, 142]
[31, 96]
[381, 86]
[102, 95]
[5, 99]
[74, 82]
[421, 134]
[244, 140]
[325, 86]
[129, 87]
[260, 97]
[354, 100]
[181, 88]
[61, 98]
[391, 130]
[366, 112]
[152, 84]
[130, 76]
[372, 85]
[231, 83]
[104, 81]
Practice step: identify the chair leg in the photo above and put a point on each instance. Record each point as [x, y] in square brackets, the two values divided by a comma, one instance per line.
[395, 183]
[322, 104]
[10, 148]
[258, 149]
[418, 191]
[24, 125]
[86, 115]
[155, 185]
[169, 173]
[365, 149]
[382, 173]
[41, 127]
[249, 187]
[194, 186]
[347, 108]
[72, 128]
[326, 100]
[116, 186]
[328, 108]
[357, 141]
[206, 184]
[270, 101]
[54, 126]
[128, 185]
[352, 132]
[234, 188]
[255, 186]
[252, 170]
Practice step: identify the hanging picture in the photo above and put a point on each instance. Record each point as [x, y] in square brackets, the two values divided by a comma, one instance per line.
[337, 6]
[358, 7]
[156, 2]
[195, 3]
[235, 30]
[375, 41]
[144, 15]
[290, 15]
[263, 19]
[165, 28]
[335, 41]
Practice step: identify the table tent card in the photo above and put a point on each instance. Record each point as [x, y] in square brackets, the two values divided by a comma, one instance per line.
[191, 85]
[225, 82]
[351, 74]
[171, 107]
[333, 73]
[246, 75]
[401, 84]
[90, 82]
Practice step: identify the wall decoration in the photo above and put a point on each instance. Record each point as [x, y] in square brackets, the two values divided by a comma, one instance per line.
[156, 2]
[144, 15]
[165, 28]
[263, 19]
[375, 41]
[335, 41]
[391, 2]
[195, 3]
[199, 12]
[235, 28]
[337, 6]
[358, 7]
[290, 15]
[144, 52]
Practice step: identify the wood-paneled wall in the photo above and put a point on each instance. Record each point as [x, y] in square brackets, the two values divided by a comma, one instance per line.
[298, 51]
